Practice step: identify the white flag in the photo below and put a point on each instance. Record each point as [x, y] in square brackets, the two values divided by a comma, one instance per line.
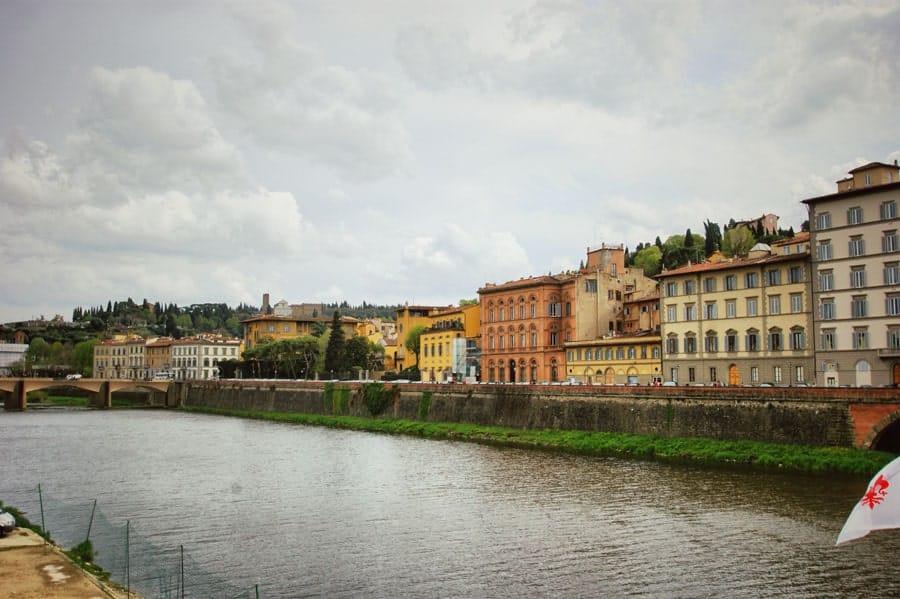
[879, 508]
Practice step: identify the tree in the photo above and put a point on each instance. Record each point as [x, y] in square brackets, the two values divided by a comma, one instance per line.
[468, 302]
[83, 357]
[357, 354]
[713, 237]
[649, 259]
[738, 241]
[413, 341]
[334, 352]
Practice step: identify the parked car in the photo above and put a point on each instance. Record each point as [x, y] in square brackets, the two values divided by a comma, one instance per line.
[73, 377]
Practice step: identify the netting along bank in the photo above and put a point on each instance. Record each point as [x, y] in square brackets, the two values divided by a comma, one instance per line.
[130, 558]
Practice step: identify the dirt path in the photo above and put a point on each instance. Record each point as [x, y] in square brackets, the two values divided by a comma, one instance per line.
[32, 569]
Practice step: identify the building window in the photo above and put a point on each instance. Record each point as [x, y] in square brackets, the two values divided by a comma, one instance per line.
[690, 312]
[823, 250]
[691, 375]
[533, 338]
[711, 342]
[490, 315]
[588, 354]
[828, 339]
[751, 280]
[620, 353]
[774, 304]
[889, 243]
[776, 374]
[892, 304]
[799, 374]
[522, 339]
[502, 313]
[689, 287]
[502, 339]
[671, 313]
[731, 341]
[796, 303]
[730, 309]
[826, 280]
[672, 344]
[533, 309]
[554, 338]
[632, 354]
[512, 341]
[859, 306]
[795, 274]
[860, 337]
[773, 277]
[491, 342]
[654, 353]
[826, 309]
[855, 215]
[671, 289]
[754, 374]
[857, 277]
[891, 273]
[888, 210]
[823, 221]
[776, 343]
[893, 338]
[730, 282]
[798, 339]
[590, 285]
[752, 306]
[711, 310]
[555, 309]
[709, 285]
[857, 246]
[751, 341]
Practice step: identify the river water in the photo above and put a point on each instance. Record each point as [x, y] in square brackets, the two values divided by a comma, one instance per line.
[311, 512]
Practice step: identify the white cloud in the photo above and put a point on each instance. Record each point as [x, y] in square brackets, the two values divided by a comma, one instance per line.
[288, 96]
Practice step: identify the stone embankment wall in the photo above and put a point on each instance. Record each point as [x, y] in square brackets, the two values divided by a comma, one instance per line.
[812, 416]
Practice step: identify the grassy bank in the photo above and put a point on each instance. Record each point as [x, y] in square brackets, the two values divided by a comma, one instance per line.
[742, 454]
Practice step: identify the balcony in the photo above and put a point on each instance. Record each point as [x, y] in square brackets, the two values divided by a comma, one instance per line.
[889, 352]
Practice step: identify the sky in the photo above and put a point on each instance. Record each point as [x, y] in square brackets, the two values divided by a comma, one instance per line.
[410, 151]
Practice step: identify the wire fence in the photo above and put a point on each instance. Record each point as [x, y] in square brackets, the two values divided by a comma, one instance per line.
[133, 562]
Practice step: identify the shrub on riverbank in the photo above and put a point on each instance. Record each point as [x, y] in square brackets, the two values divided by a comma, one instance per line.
[745, 454]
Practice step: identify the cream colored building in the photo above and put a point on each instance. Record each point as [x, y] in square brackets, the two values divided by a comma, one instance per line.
[856, 261]
[740, 321]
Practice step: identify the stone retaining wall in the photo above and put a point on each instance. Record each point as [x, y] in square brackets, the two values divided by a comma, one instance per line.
[818, 417]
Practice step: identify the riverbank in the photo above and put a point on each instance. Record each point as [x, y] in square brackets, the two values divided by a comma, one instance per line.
[32, 568]
[738, 454]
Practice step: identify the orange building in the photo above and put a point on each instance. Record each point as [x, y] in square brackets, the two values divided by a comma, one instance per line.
[523, 327]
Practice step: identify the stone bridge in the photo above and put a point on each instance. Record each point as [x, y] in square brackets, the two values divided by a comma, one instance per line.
[16, 389]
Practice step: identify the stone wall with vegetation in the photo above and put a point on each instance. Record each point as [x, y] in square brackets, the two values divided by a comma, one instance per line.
[817, 417]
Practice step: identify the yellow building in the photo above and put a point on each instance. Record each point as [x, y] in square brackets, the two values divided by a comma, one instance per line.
[616, 360]
[449, 348]
[740, 321]
[278, 328]
[408, 318]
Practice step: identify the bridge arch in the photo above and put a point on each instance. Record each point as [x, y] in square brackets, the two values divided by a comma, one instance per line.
[885, 434]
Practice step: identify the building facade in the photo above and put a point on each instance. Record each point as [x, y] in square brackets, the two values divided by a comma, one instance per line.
[740, 321]
[617, 360]
[449, 348]
[856, 262]
[523, 327]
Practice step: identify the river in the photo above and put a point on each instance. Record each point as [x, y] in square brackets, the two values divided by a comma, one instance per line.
[298, 511]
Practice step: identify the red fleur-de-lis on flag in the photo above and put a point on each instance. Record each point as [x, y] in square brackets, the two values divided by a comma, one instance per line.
[876, 493]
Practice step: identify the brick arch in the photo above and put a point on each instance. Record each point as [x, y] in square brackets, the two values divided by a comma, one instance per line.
[870, 421]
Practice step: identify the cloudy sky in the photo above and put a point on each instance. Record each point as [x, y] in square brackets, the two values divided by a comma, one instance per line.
[409, 151]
